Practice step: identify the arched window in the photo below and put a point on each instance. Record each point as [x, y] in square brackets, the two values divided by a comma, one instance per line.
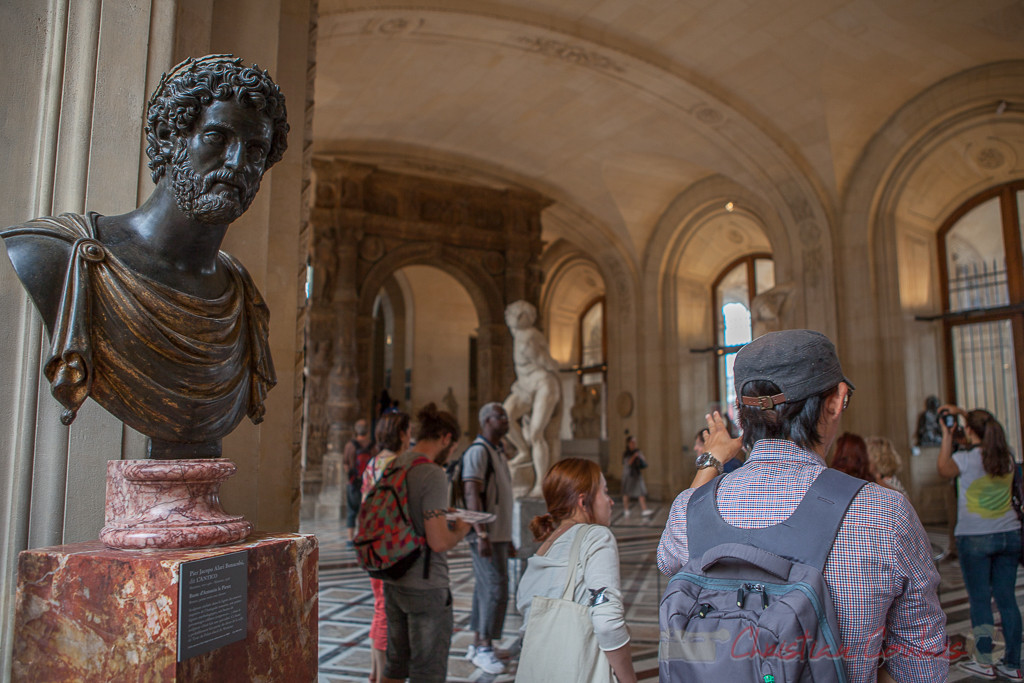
[733, 291]
[982, 268]
[591, 394]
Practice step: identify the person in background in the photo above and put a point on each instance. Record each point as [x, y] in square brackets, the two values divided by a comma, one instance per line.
[633, 485]
[419, 603]
[700, 444]
[488, 488]
[987, 535]
[393, 434]
[851, 457]
[576, 495]
[791, 394]
[885, 463]
[358, 453]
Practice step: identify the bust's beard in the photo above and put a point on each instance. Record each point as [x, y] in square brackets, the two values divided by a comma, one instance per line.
[192, 193]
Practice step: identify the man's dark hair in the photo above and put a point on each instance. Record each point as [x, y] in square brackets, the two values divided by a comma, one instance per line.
[194, 84]
[432, 424]
[795, 421]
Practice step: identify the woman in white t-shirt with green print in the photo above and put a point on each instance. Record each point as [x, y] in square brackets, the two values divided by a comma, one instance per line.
[987, 535]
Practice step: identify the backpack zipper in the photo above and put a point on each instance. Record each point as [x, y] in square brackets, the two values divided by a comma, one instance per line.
[779, 589]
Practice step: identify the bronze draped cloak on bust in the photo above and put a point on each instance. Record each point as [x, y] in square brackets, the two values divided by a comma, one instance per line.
[173, 366]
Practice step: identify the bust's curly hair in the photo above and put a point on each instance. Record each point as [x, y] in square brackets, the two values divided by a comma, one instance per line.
[186, 89]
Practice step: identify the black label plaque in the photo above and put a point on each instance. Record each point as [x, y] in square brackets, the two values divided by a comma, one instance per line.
[212, 601]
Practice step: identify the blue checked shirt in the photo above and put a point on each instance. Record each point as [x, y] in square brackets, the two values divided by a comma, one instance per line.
[880, 572]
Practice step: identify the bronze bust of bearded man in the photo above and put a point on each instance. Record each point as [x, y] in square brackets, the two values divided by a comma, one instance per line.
[145, 313]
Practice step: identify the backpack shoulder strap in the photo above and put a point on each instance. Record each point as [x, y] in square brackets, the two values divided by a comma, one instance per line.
[482, 444]
[806, 536]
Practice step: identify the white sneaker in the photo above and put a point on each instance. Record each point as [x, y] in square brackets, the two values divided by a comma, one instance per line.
[485, 660]
[470, 651]
[978, 669]
[648, 512]
[1008, 673]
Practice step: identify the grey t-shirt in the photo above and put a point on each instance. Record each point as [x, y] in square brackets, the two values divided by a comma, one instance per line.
[428, 490]
[498, 496]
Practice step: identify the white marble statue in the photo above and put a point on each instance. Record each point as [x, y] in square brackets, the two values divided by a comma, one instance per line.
[536, 395]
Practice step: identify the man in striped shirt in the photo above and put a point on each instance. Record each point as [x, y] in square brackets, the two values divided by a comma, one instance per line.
[883, 583]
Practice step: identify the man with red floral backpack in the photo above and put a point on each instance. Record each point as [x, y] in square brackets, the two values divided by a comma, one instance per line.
[418, 603]
[358, 453]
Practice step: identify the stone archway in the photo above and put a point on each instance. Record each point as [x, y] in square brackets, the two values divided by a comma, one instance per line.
[367, 224]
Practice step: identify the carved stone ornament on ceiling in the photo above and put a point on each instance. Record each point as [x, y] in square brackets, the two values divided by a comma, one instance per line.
[708, 115]
[619, 277]
[494, 263]
[989, 156]
[573, 54]
[812, 267]
[371, 248]
[395, 26]
[810, 233]
[734, 236]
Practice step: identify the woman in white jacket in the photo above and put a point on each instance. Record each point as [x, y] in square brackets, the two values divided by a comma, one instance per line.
[578, 503]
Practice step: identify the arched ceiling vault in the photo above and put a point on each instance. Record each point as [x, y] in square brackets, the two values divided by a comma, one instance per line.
[615, 107]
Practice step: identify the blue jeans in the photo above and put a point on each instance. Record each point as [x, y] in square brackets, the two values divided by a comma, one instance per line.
[490, 592]
[353, 499]
[989, 565]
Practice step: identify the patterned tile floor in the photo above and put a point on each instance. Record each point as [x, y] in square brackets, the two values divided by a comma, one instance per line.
[346, 603]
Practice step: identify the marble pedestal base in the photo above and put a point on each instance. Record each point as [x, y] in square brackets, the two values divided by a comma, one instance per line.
[84, 612]
[169, 504]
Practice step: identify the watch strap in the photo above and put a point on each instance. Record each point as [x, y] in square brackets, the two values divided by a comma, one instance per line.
[705, 460]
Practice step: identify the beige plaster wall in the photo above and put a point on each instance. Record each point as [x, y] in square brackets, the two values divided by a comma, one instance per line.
[444, 319]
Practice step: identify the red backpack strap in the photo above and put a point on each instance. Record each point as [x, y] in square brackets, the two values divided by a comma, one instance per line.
[420, 460]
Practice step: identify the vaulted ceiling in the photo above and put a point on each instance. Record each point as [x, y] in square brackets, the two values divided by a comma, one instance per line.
[615, 107]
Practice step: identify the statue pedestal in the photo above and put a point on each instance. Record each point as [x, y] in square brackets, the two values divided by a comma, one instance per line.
[169, 504]
[331, 502]
[928, 491]
[524, 510]
[84, 612]
[522, 478]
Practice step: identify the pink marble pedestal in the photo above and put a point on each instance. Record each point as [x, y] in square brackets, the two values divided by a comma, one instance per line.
[169, 504]
[84, 612]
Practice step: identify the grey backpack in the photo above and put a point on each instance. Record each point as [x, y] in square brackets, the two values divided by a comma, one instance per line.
[752, 604]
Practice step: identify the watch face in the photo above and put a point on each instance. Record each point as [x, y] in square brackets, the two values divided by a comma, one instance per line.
[706, 460]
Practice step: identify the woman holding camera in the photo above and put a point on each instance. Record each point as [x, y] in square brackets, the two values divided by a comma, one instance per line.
[987, 534]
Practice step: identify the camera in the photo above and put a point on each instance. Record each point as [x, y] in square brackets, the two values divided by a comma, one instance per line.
[948, 419]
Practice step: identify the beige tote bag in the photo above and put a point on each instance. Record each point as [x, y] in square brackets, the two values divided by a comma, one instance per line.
[559, 644]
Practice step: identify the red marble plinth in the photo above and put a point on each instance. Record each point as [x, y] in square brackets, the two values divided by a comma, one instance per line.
[169, 504]
[84, 612]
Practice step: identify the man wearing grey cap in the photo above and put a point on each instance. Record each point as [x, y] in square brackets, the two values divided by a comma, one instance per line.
[791, 394]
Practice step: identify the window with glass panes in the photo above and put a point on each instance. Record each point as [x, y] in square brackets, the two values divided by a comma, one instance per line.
[733, 291]
[982, 268]
[592, 370]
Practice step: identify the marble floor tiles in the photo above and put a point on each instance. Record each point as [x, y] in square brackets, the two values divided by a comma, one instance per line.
[346, 603]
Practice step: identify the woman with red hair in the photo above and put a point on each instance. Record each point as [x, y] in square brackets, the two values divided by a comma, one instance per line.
[579, 506]
[851, 457]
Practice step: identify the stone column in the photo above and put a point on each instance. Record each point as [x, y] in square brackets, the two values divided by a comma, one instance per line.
[494, 361]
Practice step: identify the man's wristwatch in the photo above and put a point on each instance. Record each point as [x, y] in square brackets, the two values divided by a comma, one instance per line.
[705, 460]
[481, 535]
